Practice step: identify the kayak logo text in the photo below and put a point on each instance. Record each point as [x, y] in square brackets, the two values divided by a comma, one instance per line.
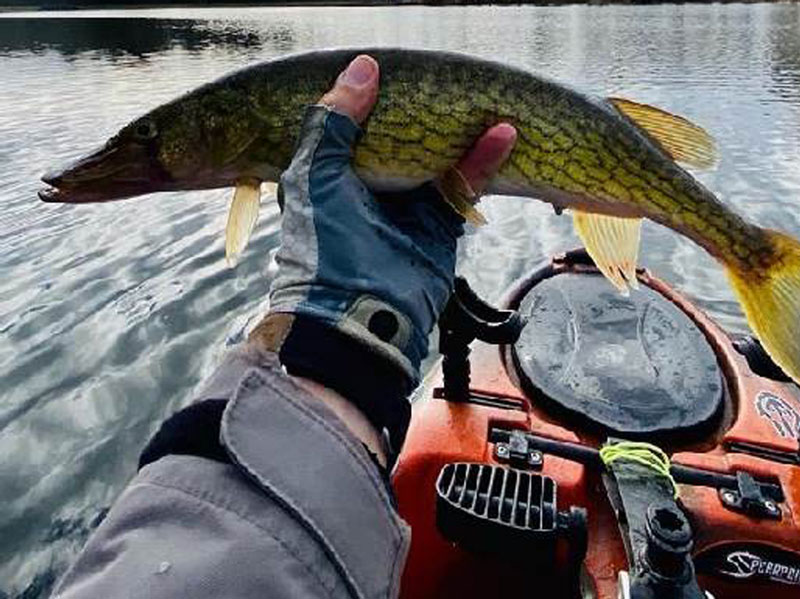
[785, 419]
[743, 564]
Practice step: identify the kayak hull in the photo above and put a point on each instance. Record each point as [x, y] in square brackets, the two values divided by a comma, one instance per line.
[736, 555]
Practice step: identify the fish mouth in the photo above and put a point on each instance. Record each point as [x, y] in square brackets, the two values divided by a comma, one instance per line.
[113, 172]
[67, 195]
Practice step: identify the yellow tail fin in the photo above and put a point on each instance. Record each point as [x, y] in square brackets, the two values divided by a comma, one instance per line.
[771, 303]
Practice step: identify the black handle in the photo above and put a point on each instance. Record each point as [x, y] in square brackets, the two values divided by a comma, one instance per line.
[466, 318]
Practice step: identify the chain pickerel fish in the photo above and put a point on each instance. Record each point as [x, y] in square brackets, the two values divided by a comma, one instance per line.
[612, 161]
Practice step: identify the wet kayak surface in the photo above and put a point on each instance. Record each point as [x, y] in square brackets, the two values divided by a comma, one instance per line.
[112, 315]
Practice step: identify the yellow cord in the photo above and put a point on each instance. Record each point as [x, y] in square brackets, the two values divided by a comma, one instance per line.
[645, 454]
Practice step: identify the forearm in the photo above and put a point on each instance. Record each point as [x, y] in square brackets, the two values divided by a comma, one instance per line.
[293, 505]
[365, 390]
[352, 417]
[265, 339]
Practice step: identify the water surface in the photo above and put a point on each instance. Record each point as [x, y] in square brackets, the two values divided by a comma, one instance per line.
[111, 315]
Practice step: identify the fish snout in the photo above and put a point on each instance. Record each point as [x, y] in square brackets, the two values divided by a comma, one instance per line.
[113, 172]
[53, 180]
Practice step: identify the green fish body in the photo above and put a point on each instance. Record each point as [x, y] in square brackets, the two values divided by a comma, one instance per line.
[610, 160]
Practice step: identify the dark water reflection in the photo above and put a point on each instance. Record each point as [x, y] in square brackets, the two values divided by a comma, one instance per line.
[138, 37]
[110, 316]
[784, 44]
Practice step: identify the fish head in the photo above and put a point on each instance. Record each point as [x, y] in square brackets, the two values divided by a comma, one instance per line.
[183, 145]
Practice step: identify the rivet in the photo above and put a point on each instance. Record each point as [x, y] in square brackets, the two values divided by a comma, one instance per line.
[384, 325]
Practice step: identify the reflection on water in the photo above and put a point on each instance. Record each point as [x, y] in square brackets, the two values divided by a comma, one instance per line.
[139, 37]
[111, 315]
[784, 48]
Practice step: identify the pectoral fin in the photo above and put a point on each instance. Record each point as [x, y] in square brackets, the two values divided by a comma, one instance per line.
[242, 218]
[457, 192]
[613, 244]
[680, 138]
[471, 214]
[269, 190]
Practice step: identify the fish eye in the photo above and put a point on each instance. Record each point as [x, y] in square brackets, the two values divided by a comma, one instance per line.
[145, 130]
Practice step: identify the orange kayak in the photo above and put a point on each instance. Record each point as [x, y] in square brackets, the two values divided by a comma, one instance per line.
[504, 484]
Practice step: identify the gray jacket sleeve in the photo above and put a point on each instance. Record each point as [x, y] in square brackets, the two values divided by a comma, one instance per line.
[301, 512]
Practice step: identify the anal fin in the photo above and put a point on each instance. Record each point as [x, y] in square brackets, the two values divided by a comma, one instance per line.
[242, 217]
[613, 244]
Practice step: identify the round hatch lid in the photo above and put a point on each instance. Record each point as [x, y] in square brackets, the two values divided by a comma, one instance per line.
[633, 365]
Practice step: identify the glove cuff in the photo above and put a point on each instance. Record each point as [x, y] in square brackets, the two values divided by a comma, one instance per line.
[314, 349]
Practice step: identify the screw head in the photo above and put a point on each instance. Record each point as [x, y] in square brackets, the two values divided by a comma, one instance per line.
[728, 496]
[535, 458]
[770, 505]
[502, 451]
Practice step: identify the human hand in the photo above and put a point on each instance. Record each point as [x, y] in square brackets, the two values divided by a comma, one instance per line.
[361, 282]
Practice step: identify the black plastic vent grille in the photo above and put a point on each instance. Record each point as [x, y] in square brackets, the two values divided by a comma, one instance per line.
[507, 497]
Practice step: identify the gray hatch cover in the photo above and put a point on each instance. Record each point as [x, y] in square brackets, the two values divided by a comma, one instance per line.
[636, 366]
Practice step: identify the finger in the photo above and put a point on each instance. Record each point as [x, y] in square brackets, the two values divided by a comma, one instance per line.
[356, 89]
[485, 158]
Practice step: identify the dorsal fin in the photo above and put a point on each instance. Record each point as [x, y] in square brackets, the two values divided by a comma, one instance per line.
[680, 138]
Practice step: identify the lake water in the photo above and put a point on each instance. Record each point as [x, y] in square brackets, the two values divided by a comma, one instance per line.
[111, 315]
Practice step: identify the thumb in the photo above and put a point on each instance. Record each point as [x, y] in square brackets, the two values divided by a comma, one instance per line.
[356, 89]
